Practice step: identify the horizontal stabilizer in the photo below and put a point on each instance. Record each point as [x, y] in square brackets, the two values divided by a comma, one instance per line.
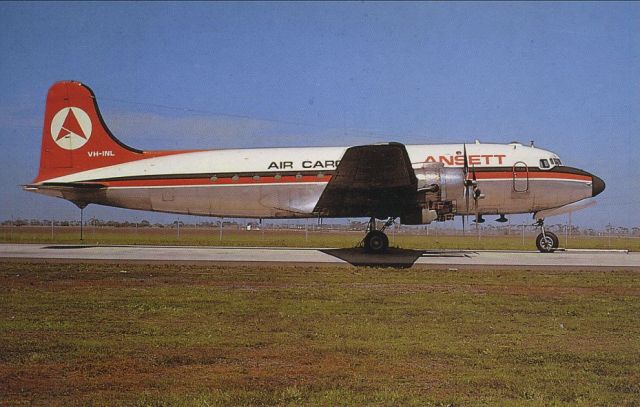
[65, 186]
[80, 193]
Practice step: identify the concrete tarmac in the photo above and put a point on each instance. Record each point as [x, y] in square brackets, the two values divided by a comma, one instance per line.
[402, 258]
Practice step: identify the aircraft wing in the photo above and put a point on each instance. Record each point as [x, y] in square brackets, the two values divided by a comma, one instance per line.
[372, 180]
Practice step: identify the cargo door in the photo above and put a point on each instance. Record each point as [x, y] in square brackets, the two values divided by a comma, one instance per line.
[520, 177]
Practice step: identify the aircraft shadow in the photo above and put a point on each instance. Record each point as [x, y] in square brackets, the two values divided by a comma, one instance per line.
[393, 258]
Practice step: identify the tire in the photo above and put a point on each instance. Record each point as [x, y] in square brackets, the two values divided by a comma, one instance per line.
[547, 243]
[376, 242]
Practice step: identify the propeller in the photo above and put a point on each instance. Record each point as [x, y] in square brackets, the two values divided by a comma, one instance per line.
[470, 187]
[476, 196]
[465, 172]
[470, 183]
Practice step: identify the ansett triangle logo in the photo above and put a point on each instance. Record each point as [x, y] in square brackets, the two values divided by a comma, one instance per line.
[71, 128]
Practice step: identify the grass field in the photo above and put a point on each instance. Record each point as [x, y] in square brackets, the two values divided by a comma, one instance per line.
[294, 238]
[201, 336]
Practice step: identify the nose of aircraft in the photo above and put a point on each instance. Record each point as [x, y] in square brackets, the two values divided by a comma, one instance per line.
[597, 185]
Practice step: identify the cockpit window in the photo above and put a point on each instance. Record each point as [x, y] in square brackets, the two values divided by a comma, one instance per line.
[556, 161]
[544, 163]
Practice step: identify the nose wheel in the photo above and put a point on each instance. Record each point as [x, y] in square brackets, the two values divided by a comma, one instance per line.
[376, 241]
[546, 242]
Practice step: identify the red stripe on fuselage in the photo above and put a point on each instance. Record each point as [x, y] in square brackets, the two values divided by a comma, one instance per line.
[292, 179]
[493, 175]
[167, 182]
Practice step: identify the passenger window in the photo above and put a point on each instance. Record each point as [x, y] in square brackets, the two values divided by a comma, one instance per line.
[544, 163]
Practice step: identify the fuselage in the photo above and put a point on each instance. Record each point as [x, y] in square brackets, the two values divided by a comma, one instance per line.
[288, 182]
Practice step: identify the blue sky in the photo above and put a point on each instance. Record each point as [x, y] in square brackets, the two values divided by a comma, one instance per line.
[214, 75]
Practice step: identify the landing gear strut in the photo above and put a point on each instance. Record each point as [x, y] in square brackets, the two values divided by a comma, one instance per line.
[546, 242]
[376, 241]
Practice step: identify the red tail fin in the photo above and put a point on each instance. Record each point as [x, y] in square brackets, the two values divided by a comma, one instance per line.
[74, 137]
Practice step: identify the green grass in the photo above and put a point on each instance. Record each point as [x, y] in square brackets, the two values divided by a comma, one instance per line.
[197, 336]
[293, 238]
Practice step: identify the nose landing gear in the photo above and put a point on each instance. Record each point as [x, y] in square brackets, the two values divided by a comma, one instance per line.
[546, 242]
[376, 241]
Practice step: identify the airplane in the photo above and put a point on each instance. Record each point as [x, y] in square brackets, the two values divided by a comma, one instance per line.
[83, 162]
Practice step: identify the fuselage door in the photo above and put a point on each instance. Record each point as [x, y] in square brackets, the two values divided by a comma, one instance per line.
[520, 177]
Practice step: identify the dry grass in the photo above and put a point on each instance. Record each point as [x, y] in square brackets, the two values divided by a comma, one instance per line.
[178, 335]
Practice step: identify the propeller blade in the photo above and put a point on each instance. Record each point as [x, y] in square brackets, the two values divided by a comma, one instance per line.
[466, 196]
[466, 161]
[476, 191]
[463, 229]
[467, 184]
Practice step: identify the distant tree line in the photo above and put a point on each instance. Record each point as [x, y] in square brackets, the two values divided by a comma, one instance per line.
[352, 225]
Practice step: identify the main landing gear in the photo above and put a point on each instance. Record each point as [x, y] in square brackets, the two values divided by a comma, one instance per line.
[376, 241]
[546, 242]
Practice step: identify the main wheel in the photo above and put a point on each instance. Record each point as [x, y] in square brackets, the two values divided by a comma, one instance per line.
[376, 242]
[547, 243]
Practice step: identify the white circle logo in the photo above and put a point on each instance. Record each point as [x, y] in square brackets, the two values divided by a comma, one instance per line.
[71, 128]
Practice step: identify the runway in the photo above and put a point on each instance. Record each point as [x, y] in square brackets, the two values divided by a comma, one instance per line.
[402, 258]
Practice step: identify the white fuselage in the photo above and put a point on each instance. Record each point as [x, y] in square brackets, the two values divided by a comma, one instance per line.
[288, 182]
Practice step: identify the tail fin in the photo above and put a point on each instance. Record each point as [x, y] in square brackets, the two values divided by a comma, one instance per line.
[75, 137]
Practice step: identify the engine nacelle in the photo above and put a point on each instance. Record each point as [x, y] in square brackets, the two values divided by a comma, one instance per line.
[450, 181]
[440, 190]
